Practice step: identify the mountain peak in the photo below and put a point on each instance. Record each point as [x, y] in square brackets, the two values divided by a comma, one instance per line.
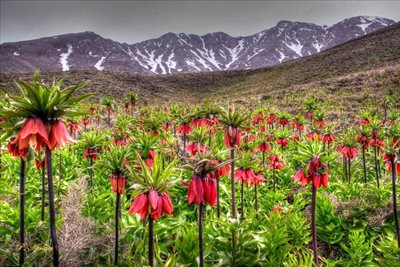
[182, 52]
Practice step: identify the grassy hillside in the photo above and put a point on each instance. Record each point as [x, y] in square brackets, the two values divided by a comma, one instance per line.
[360, 70]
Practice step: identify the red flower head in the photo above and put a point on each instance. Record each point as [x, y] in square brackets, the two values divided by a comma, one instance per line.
[364, 121]
[297, 125]
[202, 190]
[33, 133]
[256, 179]
[118, 182]
[363, 140]
[311, 136]
[73, 127]
[271, 119]
[167, 126]
[309, 115]
[296, 138]
[85, 122]
[193, 148]
[59, 135]
[258, 119]
[119, 142]
[223, 171]
[264, 147]
[277, 209]
[388, 164]
[232, 137]
[152, 203]
[320, 123]
[376, 142]
[283, 122]
[200, 122]
[91, 153]
[275, 163]
[329, 138]
[241, 175]
[348, 152]
[184, 129]
[317, 174]
[314, 165]
[283, 142]
[250, 137]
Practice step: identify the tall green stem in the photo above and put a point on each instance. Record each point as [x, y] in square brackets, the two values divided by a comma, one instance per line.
[91, 171]
[394, 195]
[218, 203]
[52, 212]
[43, 190]
[242, 199]
[364, 164]
[376, 164]
[117, 205]
[313, 224]
[233, 205]
[201, 244]
[22, 212]
[151, 241]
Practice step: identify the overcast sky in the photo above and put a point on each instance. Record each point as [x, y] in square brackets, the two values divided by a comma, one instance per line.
[135, 21]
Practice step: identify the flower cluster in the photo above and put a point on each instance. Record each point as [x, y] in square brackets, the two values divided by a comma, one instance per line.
[152, 203]
[118, 181]
[34, 134]
[91, 153]
[347, 151]
[388, 164]
[194, 148]
[184, 129]
[275, 163]
[232, 136]
[317, 173]
[248, 176]
[202, 190]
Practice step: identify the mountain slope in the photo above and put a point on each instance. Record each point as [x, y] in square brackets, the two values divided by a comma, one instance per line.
[175, 53]
[346, 75]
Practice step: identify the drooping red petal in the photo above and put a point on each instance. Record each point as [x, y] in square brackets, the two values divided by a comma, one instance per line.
[59, 135]
[324, 180]
[153, 199]
[213, 192]
[317, 180]
[141, 202]
[156, 213]
[167, 206]
[196, 191]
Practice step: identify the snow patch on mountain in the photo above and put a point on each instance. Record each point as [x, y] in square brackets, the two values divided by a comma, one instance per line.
[296, 46]
[171, 64]
[317, 46]
[99, 63]
[234, 52]
[16, 54]
[364, 26]
[281, 56]
[64, 58]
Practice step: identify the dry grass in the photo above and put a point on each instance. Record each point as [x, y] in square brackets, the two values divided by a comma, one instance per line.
[77, 232]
